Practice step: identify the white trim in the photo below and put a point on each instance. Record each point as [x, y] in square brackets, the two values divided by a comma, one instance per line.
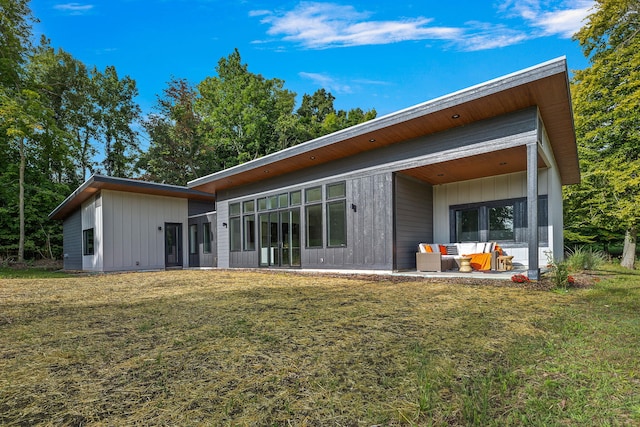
[202, 214]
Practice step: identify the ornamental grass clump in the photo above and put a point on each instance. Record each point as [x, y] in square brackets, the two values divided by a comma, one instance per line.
[581, 258]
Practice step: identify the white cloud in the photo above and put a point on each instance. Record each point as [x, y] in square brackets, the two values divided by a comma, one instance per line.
[327, 82]
[565, 22]
[483, 36]
[323, 25]
[316, 25]
[74, 8]
[564, 18]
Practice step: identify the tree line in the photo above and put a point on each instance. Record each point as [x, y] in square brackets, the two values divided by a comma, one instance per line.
[61, 121]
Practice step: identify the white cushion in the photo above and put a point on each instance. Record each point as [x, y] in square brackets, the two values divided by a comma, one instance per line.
[467, 248]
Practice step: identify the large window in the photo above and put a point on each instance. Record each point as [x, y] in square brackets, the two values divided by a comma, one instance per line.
[235, 234]
[336, 215]
[206, 237]
[314, 226]
[313, 218]
[87, 241]
[249, 225]
[500, 220]
[336, 223]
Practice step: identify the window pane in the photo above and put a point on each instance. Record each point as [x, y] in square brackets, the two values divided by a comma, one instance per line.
[336, 220]
[248, 206]
[193, 239]
[501, 225]
[206, 237]
[234, 209]
[314, 226]
[467, 229]
[249, 233]
[283, 200]
[234, 234]
[295, 198]
[262, 204]
[272, 202]
[335, 191]
[313, 195]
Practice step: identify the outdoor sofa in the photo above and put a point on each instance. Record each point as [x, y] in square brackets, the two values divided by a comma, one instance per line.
[447, 256]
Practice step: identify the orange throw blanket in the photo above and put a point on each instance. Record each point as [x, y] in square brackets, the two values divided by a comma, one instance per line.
[480, 261]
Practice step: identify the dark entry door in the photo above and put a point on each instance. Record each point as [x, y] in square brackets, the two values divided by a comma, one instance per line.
[172, 245]
[280, 238]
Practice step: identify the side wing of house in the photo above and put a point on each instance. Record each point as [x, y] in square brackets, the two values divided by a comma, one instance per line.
[135, 227]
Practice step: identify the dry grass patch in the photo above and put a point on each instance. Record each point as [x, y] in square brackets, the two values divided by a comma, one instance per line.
[264, 348]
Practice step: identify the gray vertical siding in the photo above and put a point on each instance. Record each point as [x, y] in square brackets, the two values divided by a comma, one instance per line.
[369, 229]
[222, 234]
[72, 241]
[203, 259]
[413, 207]
[197, 207]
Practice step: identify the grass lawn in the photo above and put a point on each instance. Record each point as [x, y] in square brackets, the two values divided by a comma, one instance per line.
[274, 348]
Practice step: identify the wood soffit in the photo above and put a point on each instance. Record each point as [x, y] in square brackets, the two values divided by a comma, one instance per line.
[549, 93]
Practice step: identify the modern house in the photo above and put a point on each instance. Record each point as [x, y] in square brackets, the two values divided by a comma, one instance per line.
[486, 163]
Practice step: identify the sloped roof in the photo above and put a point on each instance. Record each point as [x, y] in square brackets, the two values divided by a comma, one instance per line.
[545, 85]
[95, 183]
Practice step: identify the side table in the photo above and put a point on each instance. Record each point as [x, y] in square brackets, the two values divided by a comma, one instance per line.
[465, 264]
[505, 263]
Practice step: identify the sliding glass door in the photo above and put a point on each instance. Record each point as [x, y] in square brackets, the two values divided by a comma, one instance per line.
[280, 238]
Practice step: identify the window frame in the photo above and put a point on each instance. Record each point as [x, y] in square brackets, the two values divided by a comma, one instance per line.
[206, 238]
[520, 220]
[317, 235]
[88, 241]
[249, 236]
[330, 218]
[193, 239]
[235, 227]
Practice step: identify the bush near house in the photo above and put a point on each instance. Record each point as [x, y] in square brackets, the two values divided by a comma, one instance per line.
[263, 348]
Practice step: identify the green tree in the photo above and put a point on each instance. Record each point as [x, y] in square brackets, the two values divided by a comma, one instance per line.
[242, 113]
[176, 152]
[22, 113]
[61, 81]
[319, 116]
[606, 98]
[116, 115]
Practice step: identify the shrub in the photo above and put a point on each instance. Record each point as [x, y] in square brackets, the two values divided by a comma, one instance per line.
[559, 272]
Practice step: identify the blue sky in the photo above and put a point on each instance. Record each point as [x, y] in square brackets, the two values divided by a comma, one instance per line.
[369, 54]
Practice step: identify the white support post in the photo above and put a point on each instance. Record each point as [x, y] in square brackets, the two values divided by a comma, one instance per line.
[532, 210]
